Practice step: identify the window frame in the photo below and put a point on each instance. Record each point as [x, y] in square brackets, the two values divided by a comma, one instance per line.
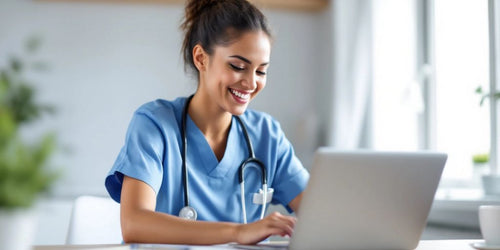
[494, 40]
[426, 72]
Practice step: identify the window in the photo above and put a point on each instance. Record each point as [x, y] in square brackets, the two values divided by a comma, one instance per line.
[461, 53]
[429, 58]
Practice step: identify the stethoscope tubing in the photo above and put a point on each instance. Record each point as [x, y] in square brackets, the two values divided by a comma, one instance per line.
[251, 159]
[184, 152]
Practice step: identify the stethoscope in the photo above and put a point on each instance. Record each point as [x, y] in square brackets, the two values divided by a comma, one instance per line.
[188, 212]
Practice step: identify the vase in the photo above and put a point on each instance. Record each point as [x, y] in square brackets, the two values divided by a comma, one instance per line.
[491, 184]
[17, 228]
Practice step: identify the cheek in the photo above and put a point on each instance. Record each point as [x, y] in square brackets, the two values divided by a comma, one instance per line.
[230, 77]
[261, 84]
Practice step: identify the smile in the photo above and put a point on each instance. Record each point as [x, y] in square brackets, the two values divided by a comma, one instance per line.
[239, 94]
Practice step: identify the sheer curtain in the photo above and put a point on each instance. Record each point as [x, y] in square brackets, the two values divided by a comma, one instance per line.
[352, 74]
[376, 93]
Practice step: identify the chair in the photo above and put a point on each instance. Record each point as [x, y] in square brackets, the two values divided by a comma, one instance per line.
[94, 220]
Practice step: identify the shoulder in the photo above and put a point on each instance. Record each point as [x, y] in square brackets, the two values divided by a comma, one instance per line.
[254, 116]
[260, 122]
[161, 106]
[162, 112]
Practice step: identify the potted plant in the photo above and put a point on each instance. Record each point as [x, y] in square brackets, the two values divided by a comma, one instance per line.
[24, 171]
[480, 165]
[490, 180]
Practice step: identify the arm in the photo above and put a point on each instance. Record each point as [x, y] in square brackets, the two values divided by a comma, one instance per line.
[295, 203]
[140, 222]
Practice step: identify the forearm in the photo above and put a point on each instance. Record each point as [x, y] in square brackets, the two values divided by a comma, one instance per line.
[155, 227]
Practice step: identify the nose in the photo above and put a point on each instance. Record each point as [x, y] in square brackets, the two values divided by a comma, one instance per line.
[250, 81]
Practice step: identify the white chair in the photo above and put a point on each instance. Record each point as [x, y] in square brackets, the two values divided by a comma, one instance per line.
[94, 220]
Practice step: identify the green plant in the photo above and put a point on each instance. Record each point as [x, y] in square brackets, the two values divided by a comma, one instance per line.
[24, 171]
[479, 90]
[481, 158]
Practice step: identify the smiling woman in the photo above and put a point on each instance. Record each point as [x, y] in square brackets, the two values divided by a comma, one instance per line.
[227, 47]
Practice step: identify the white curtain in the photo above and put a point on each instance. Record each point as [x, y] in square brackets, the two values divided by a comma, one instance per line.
[352, 74]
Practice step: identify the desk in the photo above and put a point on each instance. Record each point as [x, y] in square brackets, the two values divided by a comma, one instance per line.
[424, 245]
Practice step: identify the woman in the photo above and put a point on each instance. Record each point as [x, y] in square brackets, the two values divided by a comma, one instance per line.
[227, 44]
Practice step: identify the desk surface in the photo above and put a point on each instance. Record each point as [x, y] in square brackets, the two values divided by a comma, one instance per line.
[424, 245]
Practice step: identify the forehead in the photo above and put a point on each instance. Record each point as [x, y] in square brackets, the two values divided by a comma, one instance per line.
[253, 45]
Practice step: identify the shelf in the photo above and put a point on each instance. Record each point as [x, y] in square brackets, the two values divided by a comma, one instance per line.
[297, 5]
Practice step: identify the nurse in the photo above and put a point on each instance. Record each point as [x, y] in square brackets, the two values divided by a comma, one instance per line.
[227, 46]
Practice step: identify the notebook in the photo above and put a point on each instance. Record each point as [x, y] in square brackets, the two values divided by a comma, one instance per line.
[366, 200]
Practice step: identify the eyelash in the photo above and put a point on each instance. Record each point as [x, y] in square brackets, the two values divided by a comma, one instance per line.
[241, 69]
[236, 68]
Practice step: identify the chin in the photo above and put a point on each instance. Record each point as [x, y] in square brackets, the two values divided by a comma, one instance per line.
[238, 111]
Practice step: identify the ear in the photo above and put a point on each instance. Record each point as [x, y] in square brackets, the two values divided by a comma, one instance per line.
[200, 58]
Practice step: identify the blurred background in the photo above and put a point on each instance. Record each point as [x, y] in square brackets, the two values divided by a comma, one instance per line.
[376, 74]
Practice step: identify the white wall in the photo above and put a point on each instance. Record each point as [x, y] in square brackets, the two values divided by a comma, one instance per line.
[107, 59]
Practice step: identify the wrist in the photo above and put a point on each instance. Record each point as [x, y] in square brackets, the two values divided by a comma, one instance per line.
[234, 232]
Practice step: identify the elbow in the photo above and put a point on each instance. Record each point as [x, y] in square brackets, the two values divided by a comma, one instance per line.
[128, 241]
[130, 229]
[127, 231]
[127, 237]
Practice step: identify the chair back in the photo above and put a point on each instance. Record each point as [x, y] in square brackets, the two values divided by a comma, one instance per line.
[94, 220]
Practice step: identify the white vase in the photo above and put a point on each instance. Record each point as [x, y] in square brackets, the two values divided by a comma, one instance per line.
[17, 228]
[491, 184]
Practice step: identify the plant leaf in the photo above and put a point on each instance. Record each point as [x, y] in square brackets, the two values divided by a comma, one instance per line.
[479, 90]
[16, 65]
[33, 44]
[482, 99]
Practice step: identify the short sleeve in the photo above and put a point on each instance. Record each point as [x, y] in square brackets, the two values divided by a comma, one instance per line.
[291, 177]
[140, 158]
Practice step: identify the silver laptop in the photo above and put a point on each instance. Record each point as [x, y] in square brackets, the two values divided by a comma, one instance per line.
[367, 199]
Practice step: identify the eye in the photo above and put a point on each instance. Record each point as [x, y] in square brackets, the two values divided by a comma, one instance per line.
[236, 68]
[262, 73]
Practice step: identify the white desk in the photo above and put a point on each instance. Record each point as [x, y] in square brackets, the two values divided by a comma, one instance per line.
[424, 245]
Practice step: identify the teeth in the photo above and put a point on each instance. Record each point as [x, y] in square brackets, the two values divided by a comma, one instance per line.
[239, 94]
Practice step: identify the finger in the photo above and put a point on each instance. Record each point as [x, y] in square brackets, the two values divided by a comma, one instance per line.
[288, 230]
[283, 224]
[288, 220]
[275, 231]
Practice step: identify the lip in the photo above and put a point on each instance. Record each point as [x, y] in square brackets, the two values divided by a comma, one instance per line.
[239, 99]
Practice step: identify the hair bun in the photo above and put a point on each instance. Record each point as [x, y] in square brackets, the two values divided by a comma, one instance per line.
[193, 10]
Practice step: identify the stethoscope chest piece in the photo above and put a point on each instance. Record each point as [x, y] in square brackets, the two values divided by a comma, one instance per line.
[188, 213]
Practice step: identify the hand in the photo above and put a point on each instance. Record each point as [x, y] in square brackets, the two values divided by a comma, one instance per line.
[273, 224]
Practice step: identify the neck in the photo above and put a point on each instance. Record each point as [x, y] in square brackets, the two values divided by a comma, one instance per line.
[213, 121]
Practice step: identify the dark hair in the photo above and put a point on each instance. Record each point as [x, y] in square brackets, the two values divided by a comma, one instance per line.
[217, 22]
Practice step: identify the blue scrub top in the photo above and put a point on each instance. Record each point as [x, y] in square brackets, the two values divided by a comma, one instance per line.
[152, 154]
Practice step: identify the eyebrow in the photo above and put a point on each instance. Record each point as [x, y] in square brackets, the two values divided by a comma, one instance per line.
[246, 60]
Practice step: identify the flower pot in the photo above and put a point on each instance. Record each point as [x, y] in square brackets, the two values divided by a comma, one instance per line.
[17, 228]
[491, 184]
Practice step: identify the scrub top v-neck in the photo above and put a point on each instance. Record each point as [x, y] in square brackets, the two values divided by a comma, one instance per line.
[152, 154]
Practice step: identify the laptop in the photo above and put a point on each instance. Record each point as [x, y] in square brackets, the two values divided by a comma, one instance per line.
[366, 200]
